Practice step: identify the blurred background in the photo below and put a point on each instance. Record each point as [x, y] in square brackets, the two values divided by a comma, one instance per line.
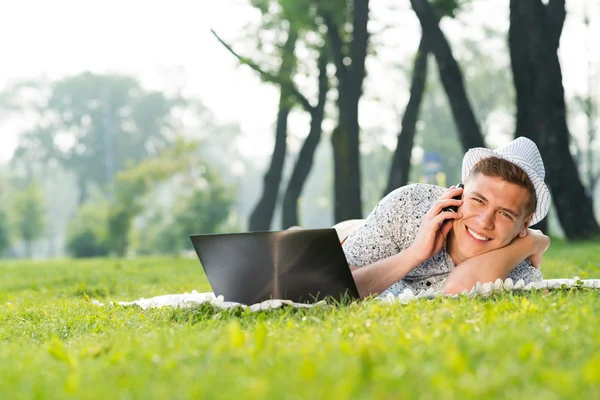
[125, 126]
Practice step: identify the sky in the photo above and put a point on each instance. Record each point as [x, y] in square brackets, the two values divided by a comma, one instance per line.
[168, 43]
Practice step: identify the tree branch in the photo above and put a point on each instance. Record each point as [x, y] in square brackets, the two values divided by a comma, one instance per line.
[336, 46]
[450, 75]
[400, 168]
[323, 80]
[268, 76]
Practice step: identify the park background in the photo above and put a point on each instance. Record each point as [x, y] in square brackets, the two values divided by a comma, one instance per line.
[127, 126]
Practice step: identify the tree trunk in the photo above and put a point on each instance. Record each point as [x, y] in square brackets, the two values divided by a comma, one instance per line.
[262, 215]
[592, 176]
[450, 75]
[344, 206]
[401, 161]
[541, 113]
[346, 158]
[345, 138]
[304, 163]
[524, 75]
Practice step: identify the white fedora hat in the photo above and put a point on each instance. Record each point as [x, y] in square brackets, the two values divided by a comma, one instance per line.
[523, 153]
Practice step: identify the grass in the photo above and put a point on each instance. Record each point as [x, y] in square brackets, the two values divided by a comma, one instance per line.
[55, 344]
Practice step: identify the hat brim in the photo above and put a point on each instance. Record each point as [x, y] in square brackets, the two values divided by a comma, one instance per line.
[473, 156]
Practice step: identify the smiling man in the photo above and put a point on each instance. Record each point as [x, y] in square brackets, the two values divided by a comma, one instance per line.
[412, 240]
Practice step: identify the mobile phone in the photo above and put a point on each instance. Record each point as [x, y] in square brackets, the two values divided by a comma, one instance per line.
[454, 208]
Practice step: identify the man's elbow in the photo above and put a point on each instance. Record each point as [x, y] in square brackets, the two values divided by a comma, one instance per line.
[456, 286]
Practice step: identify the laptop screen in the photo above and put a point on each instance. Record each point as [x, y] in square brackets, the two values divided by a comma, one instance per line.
[304, 266]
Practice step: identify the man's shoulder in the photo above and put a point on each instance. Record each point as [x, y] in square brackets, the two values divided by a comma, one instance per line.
[400, 211]
[413, 194]
[420, 188]
[392, 225]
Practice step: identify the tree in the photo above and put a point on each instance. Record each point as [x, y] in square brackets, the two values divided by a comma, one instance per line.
[450, 72]
[346, 23]
[261, 217]
[281, 21]
[94, 124]
[202, 206]
[87, 233]
[304, 162]
[300, 16]
[534, 37]
[201, 201]
[487, 82]
[27, 214]
[400, 168]
[133, 184]
[433, 40]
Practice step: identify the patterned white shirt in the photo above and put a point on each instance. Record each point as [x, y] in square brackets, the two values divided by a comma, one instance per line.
[392, 227]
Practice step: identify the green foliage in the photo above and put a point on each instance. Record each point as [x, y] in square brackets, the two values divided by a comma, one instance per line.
[203, 207]
[535, 345]
[280, 14]
[449, 8]
[119, 224]
[28, 215]
[277, 56]
[87, 232]
[109, 119]
[134, 183]
[203, 202]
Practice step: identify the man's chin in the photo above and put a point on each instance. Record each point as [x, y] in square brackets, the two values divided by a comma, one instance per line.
[471, 249]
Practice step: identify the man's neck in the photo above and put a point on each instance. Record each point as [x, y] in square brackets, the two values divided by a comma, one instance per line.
[452, 248]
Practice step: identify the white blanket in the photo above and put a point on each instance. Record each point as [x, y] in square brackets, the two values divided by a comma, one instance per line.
[195, 299]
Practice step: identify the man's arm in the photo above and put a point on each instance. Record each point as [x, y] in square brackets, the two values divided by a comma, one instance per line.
[435, 225]
[375, 278]
[496, 264]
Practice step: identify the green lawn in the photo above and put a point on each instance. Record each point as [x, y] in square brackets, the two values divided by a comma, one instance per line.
[55, 344]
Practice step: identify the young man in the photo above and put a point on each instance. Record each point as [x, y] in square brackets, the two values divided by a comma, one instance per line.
[409, 241]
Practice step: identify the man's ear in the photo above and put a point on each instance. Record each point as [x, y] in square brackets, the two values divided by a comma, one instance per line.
[526, 224]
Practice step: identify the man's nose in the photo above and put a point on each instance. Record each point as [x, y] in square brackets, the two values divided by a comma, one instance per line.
[486, 219]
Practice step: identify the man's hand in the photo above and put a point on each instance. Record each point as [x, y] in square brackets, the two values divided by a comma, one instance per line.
[435, 226]
[541, 243]
[498, 263]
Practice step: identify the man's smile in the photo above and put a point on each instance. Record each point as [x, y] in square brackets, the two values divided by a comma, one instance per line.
[476, 236]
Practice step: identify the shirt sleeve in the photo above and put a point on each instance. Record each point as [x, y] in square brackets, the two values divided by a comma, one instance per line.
[378, 237]
[527, 272]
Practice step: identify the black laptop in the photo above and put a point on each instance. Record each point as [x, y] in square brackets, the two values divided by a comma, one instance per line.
[304, 266]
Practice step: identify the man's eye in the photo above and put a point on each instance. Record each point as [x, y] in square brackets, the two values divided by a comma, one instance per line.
[507, 215]
[476, 200]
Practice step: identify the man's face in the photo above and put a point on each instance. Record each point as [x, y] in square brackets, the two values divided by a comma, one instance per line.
[493, 215]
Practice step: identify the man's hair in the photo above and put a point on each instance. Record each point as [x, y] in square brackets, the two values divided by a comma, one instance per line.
[509, 172]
